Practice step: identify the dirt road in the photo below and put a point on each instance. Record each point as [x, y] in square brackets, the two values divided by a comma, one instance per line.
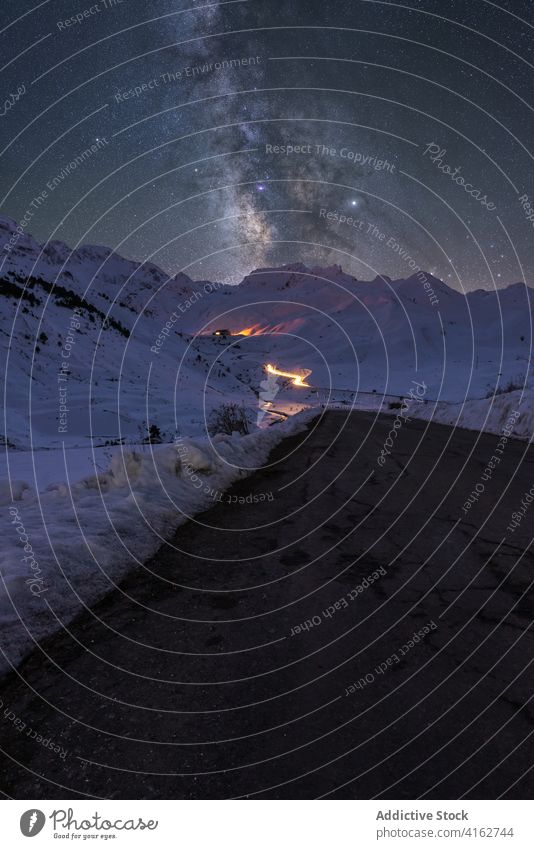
[332, 627]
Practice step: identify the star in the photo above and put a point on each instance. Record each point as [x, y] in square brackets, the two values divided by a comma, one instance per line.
[238, 104]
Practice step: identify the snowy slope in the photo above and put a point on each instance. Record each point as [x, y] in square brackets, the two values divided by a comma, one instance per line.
[141, 347]
[513, 411]
[375, 335]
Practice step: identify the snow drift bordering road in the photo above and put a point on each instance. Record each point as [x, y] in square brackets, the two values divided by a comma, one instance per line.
[67, 547]
[486, 414]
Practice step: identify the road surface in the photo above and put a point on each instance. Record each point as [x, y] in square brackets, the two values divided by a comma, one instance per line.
[331, 628]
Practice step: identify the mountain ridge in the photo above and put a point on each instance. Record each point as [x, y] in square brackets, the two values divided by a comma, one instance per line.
[60, 251]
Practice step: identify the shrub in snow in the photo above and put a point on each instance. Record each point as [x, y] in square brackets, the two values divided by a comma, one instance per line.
[230, 419]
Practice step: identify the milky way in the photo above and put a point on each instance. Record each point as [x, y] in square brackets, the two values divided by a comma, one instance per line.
[245, 133]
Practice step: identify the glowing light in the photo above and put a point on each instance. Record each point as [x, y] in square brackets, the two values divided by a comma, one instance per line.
[253, 330]
[298, 379]
[258, 329]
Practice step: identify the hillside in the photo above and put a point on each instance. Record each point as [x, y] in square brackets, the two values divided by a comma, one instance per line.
[126, 344]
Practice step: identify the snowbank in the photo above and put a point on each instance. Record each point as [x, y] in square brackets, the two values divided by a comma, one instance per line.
[488, 414]
[65, 548]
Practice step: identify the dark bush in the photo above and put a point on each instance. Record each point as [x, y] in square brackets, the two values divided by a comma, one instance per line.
[228, 418]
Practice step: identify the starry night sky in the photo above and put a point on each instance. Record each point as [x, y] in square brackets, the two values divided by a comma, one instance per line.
[183, 176]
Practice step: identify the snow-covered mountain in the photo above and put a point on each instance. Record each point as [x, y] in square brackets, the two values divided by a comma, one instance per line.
[97, 345]
[77, 329]
[375, 335]
[98, 348]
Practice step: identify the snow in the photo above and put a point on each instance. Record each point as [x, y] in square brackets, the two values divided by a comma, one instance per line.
[79, 330]
[44, 467]
[14, 490]
[352, 335]
[66, 547]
